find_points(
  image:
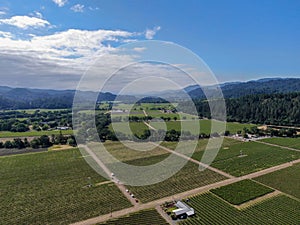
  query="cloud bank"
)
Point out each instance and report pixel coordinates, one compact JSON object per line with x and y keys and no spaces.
{"x":24,"y":22}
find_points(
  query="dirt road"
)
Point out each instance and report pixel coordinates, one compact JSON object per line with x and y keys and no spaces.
{"x":121,"y":186}
{"x":195,"y":161}
{"x":182,"y":195}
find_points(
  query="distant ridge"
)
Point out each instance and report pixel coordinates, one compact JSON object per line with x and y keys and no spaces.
{"x":261,"y":86}
{"x":24,"y":98}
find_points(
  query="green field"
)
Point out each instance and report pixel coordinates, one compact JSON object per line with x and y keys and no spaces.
{"x":285,"y":180}
{"x":51,"y":188}
{"x":189,"y":177}
{"x":286,"y":142}
{"x":202,"y":143}
{"x":256,"y":156}
{"x":241,"y":192}
{"x":145,"y":106}
{"x":212,"y":210}
{"x":6,"y":134}
{"x":91,"y":112}
{"x":123,"y":153}
{"x":205,"y":126}
{"x":159,"y":114}
{"x":188,"y":125}
{"x":187,"y":116}
{"x":144,"y":217}
{"x":136,"y":127}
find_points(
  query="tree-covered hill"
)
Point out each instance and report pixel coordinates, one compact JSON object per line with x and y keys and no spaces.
{"x":239,"y":89}
{"x":277,"y":109}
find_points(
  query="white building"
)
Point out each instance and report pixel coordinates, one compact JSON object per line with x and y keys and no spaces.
{"x":183,"y":209}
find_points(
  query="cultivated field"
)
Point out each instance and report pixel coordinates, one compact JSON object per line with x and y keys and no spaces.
{"x":205,"y":126}
{"x":134,"y":127}
{"x":212,"y":210}
{"x":188,"y":125}
{"x":286,"y":180}
{"x":189,"y":177}
{"x":255,"y":156}
{"x":286,"y":142}
{"x":201,"y":146}
{"x":123,"y":153}
{"x":51,"y":188}
{"x":241,"y":192}
{"x":145,"y":217}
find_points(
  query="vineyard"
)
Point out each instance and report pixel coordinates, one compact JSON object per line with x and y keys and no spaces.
{"x":286,"y":142}
{"x":54,"y":189}
{"x":212,"y":210}
{"x":145,"y":217}
{"x":255,"y":156}
{"x":286,"y":180}
{"x":201,"y":146}
{"x":124,"y":153}
{"x":242,"y":191}
{"x":189,"y":177}
{"x":135,"y":127}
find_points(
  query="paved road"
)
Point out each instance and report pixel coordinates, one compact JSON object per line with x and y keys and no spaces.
{"x":186,"y":194}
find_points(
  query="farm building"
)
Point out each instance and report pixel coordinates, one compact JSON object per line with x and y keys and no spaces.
{"x":62,"y":128}
{"x":183,"y":210}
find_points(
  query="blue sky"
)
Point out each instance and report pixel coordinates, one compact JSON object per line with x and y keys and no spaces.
{"x":238,"y":40}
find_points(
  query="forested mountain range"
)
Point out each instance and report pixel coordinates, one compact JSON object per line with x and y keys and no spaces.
{"x":239,"y":89}
{"x":276,"y":109}
{"x":24,"y":98}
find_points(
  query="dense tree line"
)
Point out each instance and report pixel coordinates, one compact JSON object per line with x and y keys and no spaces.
{"x":43,"y":141}
{"x":277,"y":109}
{"x":13,"y":125}
{"x":86,"y":132}
{"x":19,"y":121}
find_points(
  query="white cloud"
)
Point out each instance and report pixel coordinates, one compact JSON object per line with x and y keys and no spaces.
{"x":139,"y":49}
{"x":36,"y":14}
{"x":93,"y":8}
{"x":57,"y":60}
{"x":150,"y":33}
{"x":5,"y":34}
{"x":60,"y":3}
{"x":3,"y":11}
{"x":24,"y":22}
{"x":145,"y":77}
{"x":77,"y":8}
